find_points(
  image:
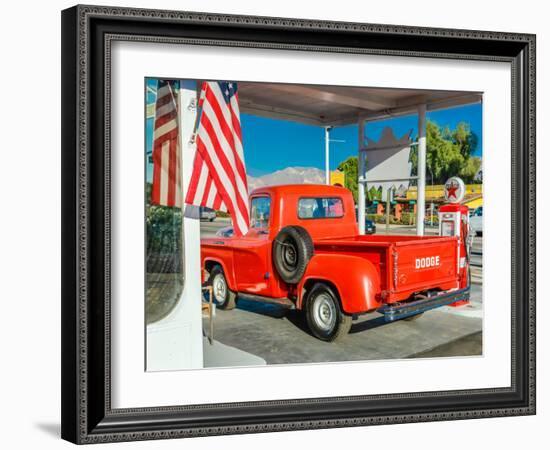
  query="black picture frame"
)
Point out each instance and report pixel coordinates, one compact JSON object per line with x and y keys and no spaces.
{"x":87,"y":32}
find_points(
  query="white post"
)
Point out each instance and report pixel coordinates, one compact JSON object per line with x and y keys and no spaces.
{"x":421,"y":170}
{"x":327,"y":153}
{"x":361,"y":173}
{"x":176,"y":342}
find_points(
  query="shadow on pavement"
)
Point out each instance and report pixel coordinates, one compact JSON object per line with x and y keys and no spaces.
{"x":365,"y":325}
{"x":278,"y":312}
{"x":264,"y":309}
{"x":297,"y":319}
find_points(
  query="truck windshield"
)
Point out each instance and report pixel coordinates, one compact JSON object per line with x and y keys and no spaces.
{"x":259,"y":212}
{"x":320,"y":208}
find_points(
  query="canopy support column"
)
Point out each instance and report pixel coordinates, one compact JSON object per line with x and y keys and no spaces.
{"x":361,"y":172}
{"x":327,"y":155}
{"x":421,"y":171}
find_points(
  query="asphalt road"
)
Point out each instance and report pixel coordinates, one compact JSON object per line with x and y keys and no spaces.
{"x":208,"y":229}
{"x":280,"y":336}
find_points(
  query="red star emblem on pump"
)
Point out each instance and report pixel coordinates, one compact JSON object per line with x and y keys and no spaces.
{"x":451,"y":190}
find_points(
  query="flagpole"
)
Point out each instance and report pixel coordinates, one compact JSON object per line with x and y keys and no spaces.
{"x":327,"y":154}
{"x":197,"y":116}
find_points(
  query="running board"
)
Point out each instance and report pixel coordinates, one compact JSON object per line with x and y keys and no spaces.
{"x":283,"y":302}
{"x":402,"y":310}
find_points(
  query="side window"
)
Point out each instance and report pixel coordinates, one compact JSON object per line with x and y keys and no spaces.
{"x":320,"y":208}
{"x":259,"y":212}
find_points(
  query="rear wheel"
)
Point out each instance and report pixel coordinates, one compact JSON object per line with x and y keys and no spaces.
{"x":324,"y":315}
{"x":223,"y":296}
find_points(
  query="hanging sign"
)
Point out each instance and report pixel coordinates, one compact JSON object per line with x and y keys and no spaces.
{"x":454,"y":190}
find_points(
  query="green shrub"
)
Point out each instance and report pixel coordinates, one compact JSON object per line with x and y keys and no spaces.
{"x":163,"y":239}
{"x":408,"y":218}
{"x":375,"y":217}
{"x":394,"y":220}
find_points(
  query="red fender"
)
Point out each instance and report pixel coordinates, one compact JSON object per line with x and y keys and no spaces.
{"x":229,"y":274}
{"x":356,"y":280}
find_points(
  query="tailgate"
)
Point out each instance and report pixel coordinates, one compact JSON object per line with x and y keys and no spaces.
{"x":424,"y":264}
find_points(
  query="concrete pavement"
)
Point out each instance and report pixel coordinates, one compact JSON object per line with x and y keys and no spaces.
{"x":281,"y":337}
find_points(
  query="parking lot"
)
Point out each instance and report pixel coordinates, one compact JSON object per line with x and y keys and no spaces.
{"x":280,"y":336}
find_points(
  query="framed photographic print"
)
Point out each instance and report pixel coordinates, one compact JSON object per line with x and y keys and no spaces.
{"x":283,"y":224}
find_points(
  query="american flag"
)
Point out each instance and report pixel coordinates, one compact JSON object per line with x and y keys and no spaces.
{"x":218,"y":180}
{"x":167,"y":186}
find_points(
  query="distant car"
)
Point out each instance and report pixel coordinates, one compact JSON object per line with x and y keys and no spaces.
{"x":225,"y":232}
{"x":476,"y":221}
{"x":207,"y":214}
{"x":370,"y":226}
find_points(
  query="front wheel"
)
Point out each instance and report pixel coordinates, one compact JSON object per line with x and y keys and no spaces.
{"x":223,"y":296}
{"x":323,"y":314}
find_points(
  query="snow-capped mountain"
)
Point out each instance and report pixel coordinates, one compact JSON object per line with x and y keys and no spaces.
{"x":289,"y":175}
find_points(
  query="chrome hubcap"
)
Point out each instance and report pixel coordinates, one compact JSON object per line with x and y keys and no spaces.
{"x":219,"y":288}
{"x":324,"y":312}
{"x":290,"y":255}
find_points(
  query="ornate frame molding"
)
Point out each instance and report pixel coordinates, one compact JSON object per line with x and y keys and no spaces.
{"x":88,"y":31}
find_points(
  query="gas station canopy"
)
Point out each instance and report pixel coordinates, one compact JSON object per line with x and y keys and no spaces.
{"x":328,"y":106}
{"x":342,"y":105}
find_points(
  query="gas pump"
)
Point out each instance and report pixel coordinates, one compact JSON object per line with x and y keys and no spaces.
{"x":454,"y":221}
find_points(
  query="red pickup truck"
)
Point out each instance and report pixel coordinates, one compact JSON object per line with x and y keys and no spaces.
{"x":303,"y":250}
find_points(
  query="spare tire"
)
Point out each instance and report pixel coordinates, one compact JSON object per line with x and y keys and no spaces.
{"x":292,"y":250}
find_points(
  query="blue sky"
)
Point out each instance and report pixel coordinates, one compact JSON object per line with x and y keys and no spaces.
{"x":275,"y":144}
{"x":271,"y":144}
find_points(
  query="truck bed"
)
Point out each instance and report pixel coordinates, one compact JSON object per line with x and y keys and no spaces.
{"x":406,"y":264}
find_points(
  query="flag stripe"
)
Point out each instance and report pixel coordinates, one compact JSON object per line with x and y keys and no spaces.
{"x":165,"y":128}
{"x":225,"y":156}
{"x":172,"y":176}
{"x":218,"y":203}
{"x":221,"y":178}
{"x":219,"y":175}
{"x":167,"y":173}
{"x":165,"y":118}
{"x":165,"y":160}
{"x":178,"y":200}
{"x":215,"y":175}
{"x":195,"y":178}
{"x":165,"y":110}
{"x":212,"y":194}
{"x":227,"y":130}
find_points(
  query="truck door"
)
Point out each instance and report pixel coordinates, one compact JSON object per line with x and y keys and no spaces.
{"x":252,"y":250}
